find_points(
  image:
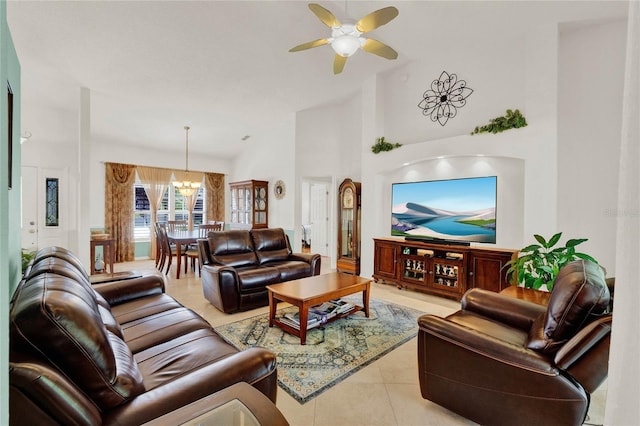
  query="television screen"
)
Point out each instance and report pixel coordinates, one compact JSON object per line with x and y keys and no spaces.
{"x":452,"y":209}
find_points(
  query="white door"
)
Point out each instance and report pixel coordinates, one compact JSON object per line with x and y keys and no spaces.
{"x":44,"y":207}
{"x":319,"y":218}
{"x":29,"y":207}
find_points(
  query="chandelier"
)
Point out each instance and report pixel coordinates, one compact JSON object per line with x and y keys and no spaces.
{"x":186,"y":187}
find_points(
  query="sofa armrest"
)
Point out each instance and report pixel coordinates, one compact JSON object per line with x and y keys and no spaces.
{"x":312,"y":259}
{"x":586,"y":355}
{"x":40,"y":395}
{"x":499,"y":351}
{"x":116,"y":292}
{"x":256,"y":366}
{"x":505,"y":309}
{"x":220,"y":285}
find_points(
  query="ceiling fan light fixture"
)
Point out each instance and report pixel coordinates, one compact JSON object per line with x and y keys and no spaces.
{"x":346,"y":45}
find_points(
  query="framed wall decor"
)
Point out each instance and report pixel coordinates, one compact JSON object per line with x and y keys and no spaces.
{"x":279,"y":190}
{"x":10,"y":136}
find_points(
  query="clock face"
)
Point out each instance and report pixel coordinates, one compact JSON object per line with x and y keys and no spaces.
{"x":347,"y":199}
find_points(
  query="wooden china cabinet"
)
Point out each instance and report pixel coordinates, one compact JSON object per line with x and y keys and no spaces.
{"x":348,"y":255}
{"x":249,"y":204}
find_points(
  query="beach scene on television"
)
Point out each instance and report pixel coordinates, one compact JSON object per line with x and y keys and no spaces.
{"x":454,"y":209}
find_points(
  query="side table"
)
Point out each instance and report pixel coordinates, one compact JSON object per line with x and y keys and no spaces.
{"x":107,"y":250}
{"x":239,"y":404}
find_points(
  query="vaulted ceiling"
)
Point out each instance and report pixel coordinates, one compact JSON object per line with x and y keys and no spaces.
{"x":223,"y":67}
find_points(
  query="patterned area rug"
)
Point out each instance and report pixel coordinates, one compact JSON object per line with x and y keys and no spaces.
{"x":333,"y":352}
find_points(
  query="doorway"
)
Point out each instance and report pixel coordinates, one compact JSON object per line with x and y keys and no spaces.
{"x":315,"y":218}
{"x":44,"y":207}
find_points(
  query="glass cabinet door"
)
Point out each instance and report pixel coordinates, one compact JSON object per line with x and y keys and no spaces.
{"x":346,"y":250}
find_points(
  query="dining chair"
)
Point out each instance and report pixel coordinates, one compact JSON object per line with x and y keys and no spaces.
{"x":192,"y":253}
{"x":217,"y":222}
{"x":159,"y":250}
{"x":166,"y":248}
{"x":177,"y":225}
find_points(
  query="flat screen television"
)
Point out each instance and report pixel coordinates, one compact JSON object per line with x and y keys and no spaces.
{"x":459,"y":210}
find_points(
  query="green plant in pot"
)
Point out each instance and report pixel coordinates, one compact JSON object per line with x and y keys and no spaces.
{"x":27,"y":257}
{"x":538,"y":264}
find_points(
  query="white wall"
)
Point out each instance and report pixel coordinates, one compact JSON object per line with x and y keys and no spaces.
{"x":591,"y":76}
{"x":493,"y":73}
{"x":327,"y":147}
{"x":271,"y":157}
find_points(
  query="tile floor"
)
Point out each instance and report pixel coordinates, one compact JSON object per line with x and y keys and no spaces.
{"x":390,"y":383}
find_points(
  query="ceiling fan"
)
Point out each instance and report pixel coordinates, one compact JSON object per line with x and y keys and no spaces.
{"x":347,"y":38}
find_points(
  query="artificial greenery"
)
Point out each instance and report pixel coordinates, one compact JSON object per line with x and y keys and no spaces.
{"x":513,"y":120}
{"x":538,"y":264}
{"x":382,"y":145}
{"x":27,"y":257}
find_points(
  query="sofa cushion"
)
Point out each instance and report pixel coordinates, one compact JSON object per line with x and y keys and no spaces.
{"x":255,"y":279}
{"x":58,"y":320}
{"x":158,"y":328}
{"x":579,"y":295}
{"x":63,"y":254}
{"x":292,"y":269}
{"x":178,"y":357}
{"x":110,"y":322}
{"x":271,"y":244}
{"x":232,"y":248}
{"x":143,"y":307}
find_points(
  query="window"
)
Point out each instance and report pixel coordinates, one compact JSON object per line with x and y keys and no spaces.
{"x":141,"y":214}
{"x":181,"y":211}
{"x":172,"y":207}
{"x":51,"y":203}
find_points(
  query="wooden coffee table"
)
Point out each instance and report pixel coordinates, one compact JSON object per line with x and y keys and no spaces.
{"x":307,"y":292}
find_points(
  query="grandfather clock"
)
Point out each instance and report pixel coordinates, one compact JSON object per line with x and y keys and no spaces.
{"x":348,"y":259}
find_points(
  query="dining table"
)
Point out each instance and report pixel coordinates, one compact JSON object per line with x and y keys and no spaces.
{"x":182,"y":238}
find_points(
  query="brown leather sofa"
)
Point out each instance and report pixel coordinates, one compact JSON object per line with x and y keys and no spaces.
{"x":237,"y":266}
{"x":505,"y":361}
{"x":121,"y":352}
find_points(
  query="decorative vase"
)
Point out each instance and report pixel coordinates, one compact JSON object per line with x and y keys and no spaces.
{"x":99,"y":265}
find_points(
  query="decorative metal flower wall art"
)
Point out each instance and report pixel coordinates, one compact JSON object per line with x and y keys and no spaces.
{"x":446,"y":95}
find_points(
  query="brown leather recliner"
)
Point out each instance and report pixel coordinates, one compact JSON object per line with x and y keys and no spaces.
{"x":505,"y":361}
{"x":238,"y":265}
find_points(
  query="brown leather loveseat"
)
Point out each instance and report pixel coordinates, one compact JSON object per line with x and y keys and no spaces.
{"x":505,"y":361}
{"x":237,"y":266}
{"x":122,"y":352}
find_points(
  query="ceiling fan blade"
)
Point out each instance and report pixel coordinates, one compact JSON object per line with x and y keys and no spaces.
{"x":380,"y":49}
{"x":324,"y":15}
{"x":309,"y":45}
{"x":338,"y":64}
{"x":376,"y":19}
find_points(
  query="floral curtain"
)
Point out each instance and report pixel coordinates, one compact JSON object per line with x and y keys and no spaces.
{"x":214,"y":187}
{"x":155,"y":182}
{"x":118,"y":204}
